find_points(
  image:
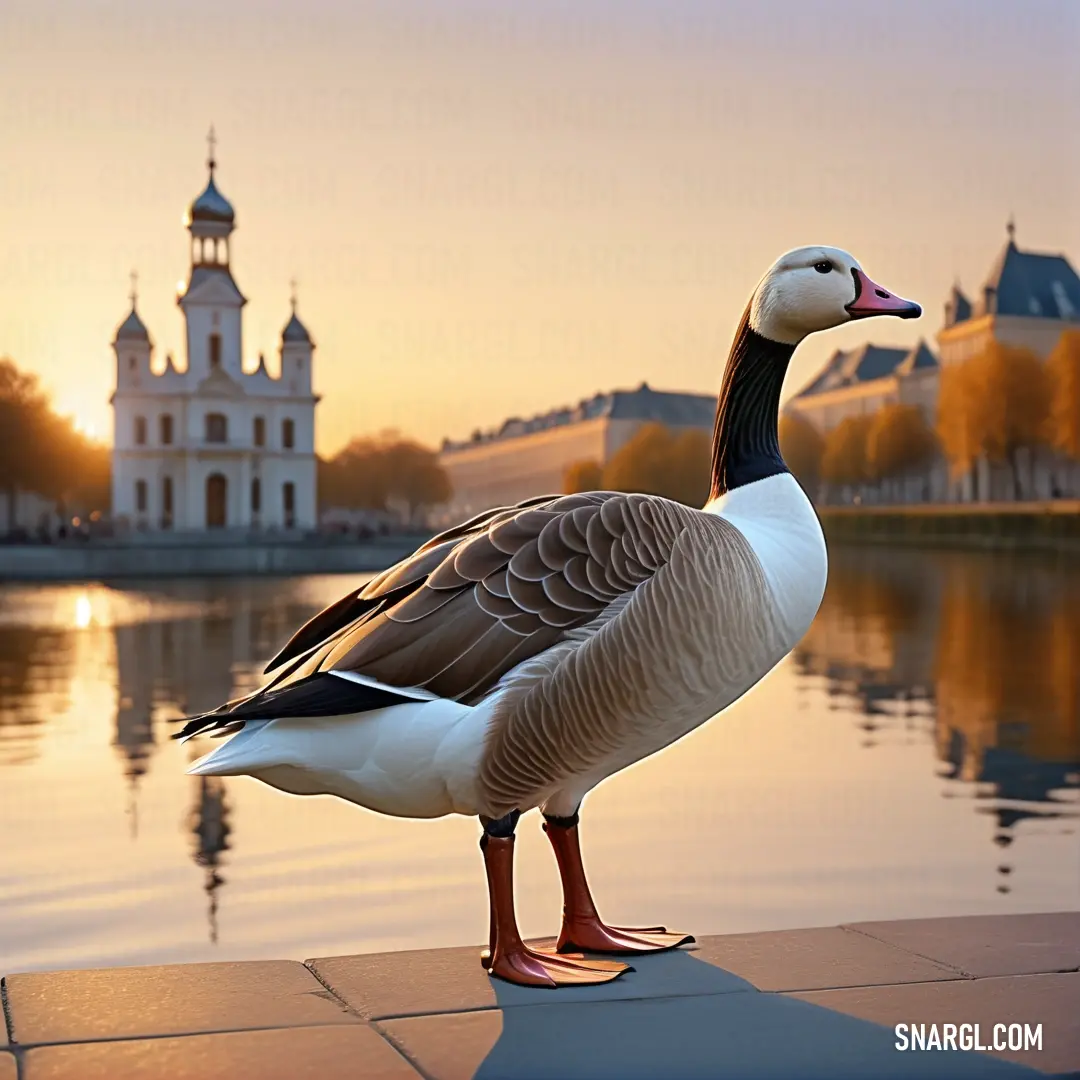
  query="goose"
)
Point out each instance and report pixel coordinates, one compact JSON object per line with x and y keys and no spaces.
{"x":519,"y":659}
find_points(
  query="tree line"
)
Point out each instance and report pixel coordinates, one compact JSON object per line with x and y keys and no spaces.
{"x":992,"y":406}
{"x":42,"y":452}
{"x":655,"y":461}
{"x":384,"y":472}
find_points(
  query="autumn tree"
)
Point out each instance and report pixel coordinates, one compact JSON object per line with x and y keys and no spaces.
{"x":372,"y":471}
{"x":1000,"y":405}
{"x":1063,"y":374}
{"x":691,"y":467}
{"x":415,"y":476}
{"x":844,"y":459}
{"x":41,"y":451}
{"x":802,"y":446}
{"x":24,"y":422}
{"x":658,"y":461}
{"x":355,"y":477}
{"x":898,"y":440}
{"x":584,"y":475}
{"x":956,"y":428}
{"x":91,"y":484}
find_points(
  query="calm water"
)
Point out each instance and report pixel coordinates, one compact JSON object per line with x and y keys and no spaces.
{"x":917,"y":756}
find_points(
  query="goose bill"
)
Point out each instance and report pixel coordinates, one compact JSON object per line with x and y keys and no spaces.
{"x":872,"y":299}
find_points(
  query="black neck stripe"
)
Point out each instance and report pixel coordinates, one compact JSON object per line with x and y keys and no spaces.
{"x":746,"y":444}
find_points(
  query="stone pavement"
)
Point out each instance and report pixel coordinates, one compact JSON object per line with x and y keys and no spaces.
{"x":800,"y":1003}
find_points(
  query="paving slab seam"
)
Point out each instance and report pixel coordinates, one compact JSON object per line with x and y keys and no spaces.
{"x":172,"y":1035}
{"x":17,"y":1055}
{"x":378,"y":1018}
{"x":332,"y":992}
{"x":938,"y":982}
{"x":558,"y":1003}
{"x":910,"y":952}
{"x":870,"y":986}
{"x":17,"y":1058}
{"x":399,"y":1049}
{"x":6,"y":1011}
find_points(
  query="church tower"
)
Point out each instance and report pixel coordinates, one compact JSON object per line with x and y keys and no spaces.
{"x":297,"y":349}
{"x":212,"y":303}
{"x":132,"y":346}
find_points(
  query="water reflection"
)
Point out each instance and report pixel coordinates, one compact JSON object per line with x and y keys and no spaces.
{"x":35,"y":670}
{"x":942,"y":687}
{"x":979,"y":652}
{"x":208,"y":821}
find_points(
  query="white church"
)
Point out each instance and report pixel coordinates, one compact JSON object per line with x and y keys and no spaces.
{"x":212,"y":446}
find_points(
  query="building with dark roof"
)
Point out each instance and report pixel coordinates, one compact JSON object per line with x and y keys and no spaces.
{"x":857,"y":382}
{"x":526,"y":457}
{"x":1027,"y":299}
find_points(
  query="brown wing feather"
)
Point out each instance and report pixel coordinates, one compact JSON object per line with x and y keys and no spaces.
{"x":479,"y":599}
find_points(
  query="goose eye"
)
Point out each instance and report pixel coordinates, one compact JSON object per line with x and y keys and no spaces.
{"x":823,"y":267}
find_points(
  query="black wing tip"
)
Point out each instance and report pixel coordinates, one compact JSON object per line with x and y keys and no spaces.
{"x":192,"y":727}
{"x":319,"y":694}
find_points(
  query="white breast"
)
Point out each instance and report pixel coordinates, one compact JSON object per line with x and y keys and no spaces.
{"x":777,"y":519}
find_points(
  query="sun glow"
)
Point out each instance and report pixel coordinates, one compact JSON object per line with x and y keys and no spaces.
{"x":84,"y":611}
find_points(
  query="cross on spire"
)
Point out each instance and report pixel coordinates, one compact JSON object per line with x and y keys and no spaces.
{"x":1010,"y":228}
{"x":211,"y":144}
{"x":292,"y":294}
{"x":133,"y":296}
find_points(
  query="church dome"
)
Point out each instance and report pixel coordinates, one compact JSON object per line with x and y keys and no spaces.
{"x":132,"y":328}
{"x":211,"y":205}
{"x":295,"y":330}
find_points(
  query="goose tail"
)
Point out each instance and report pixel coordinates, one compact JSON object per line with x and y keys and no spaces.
{"x":236,"y":756}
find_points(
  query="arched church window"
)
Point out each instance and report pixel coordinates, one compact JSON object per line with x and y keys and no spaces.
{"x":256,"y":496}
{"x":288,"y":434}
{"x":259,"y":431}
{"x":217,"y":428}
{"x":140,"y":496}
{"x":217,"y":501}
{"x":140,"y":430}
{"x":131,"y":363}
{"x":166,"y":429}
{"x":166,"y":502}
{"x":288,"y":494}
{"x":215,"y":350}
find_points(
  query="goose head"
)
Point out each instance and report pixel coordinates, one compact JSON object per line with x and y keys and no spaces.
{"x":807,"y":290}
{"x":816,"y":288}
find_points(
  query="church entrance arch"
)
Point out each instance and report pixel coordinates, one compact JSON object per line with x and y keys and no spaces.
{"x":217,"y":488}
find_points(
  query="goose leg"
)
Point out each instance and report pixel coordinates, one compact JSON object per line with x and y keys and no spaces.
{"x":510,"y":958}
{"x":582,"y":928}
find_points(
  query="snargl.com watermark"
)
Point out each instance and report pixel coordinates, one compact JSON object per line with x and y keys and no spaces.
{"x":968,"y":1037}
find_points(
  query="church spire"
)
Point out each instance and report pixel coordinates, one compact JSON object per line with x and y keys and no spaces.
{"x":133,"y":328}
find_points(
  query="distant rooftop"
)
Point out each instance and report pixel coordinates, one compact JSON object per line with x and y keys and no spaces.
{"x":663,"y":406}
{"x":866,"y":363}
{"x":1023,"y":283}
{"x":132,"y":328}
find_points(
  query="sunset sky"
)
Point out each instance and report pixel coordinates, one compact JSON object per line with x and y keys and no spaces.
{"x":496,"y":207}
